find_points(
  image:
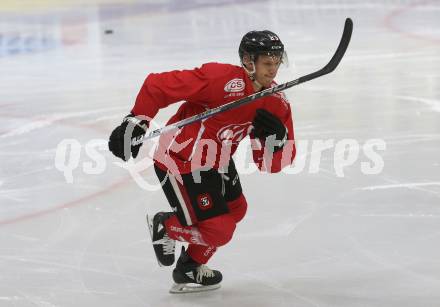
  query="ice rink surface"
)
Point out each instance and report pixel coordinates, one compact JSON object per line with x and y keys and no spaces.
{"x":315,"y":235}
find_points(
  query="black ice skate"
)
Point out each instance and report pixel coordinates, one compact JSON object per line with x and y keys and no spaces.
{"x":190,"y":276}
{"x":163,"y":245}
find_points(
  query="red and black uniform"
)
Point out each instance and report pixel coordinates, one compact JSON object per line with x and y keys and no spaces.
{"x":208,"y":204}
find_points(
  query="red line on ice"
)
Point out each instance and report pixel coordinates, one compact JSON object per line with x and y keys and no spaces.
{"x":69,"y":204}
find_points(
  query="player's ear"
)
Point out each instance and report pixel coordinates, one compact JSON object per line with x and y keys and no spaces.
{"x":248,"y":62}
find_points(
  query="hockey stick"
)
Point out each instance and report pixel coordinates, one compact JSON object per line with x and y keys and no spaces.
{"x":343,"y":44}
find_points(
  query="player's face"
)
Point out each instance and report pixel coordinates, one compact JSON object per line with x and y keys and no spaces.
{"x":266,"y":68}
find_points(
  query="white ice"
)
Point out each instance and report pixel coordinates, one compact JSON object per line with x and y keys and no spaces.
{"x":317,"y":236}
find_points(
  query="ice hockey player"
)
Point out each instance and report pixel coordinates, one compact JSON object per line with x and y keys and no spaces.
{"x":195,"y":164}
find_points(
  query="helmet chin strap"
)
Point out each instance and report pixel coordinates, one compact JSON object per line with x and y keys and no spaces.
{"x":258,"y":85}
{"x":251,"y":75}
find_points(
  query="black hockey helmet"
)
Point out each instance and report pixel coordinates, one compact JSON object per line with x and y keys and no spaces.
{"x":255,"y":43}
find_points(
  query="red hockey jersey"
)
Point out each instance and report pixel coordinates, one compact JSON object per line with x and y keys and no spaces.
{"x":213,"y":141}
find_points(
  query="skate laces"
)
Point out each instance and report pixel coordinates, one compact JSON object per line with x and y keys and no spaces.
{"x":204,"y":271}
{"x":167,"y":243}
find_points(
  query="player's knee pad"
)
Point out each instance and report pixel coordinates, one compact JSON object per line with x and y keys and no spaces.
{"x":217,"y":231}
{"x":227,"y":230}
{"x":238,"y":208}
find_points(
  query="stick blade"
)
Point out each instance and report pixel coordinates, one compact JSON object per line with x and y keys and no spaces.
{"x":336,"y":58}
{"x":342,"y":47}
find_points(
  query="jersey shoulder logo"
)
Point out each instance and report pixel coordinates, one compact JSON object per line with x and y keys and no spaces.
{"x":235,"y":85}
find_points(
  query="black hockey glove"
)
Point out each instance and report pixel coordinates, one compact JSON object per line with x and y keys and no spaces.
{"x":269,"y":128}
{"x":126,"y":140}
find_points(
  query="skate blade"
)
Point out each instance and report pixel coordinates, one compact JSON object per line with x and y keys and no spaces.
{"x":192,"y":288}
{"x":150,"y":228}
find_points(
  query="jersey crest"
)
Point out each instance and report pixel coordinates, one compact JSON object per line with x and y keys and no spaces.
{"x":234,"y":133}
